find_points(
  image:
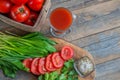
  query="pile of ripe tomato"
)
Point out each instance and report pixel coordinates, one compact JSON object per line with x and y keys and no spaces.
{"x":24,"y":11}
{"x":50,"y":63}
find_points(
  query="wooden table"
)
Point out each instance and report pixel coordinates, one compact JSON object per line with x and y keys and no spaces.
{"x":97,"y":30}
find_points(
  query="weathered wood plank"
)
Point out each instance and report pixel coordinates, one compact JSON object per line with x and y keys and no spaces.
{"x":11,"y":30}
{"x":76,"y":4}
{"x":103,"y":46}
{"x":92,"y":20}
{"x":3,"y":25}
{"x":109,"y":70}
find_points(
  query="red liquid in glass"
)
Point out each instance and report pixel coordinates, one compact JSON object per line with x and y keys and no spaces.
{"x":61,"y":19}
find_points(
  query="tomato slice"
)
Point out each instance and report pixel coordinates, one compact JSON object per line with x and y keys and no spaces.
{"x":66,"y":53}
{"x":41,"y":66}
{"x":49,"y":65}
{"x":34,"y":66}
{"x":57,"y":60}
{"x":27,"y":62}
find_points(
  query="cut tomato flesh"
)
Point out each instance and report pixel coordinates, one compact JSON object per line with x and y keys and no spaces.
{"x":67,"y":53}
{"x":27,"y":62}
{"x":57,"y":60}
{"x":34,"y":66}
{"x":41,"y":66}
{"x":49,"y":65}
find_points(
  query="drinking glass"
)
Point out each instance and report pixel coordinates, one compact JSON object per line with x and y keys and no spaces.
{"x":61,"y":20}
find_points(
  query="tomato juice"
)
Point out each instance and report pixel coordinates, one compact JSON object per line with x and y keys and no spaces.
{"x":61,"y":19}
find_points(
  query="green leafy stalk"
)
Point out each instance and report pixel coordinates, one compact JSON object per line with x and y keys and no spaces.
{"x":38,"y":36}
{"x":15,"y":49}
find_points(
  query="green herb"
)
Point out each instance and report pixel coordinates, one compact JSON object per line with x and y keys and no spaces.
{"x":38,"y":36}
{"x":67,"y":73}
{"x":15,"y":49}
{"x":49,"y":76}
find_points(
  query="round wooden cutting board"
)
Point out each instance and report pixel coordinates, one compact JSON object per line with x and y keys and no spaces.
{"x":78,"y":53}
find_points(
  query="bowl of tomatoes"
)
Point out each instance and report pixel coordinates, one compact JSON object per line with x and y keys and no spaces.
{"x":26,"y":15}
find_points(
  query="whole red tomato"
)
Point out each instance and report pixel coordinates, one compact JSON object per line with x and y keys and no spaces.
{"x":32,"y":18}
{"x":5,"y":6}
{"x":19,"y":2}
{"x":19,"y":13}
{"x":35,"y":5}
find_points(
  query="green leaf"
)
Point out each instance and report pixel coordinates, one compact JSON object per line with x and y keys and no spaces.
{"x":68,"y":64}
{"x":9,"y":72}
{"x":40,"y":77}
{"x":19,"y":65}
{"x":46,"y":76}
{"x":72,"y":72}
{"x":38,"y":36}
{"x":53,"y":75}
{"x":62,"y":77}
{"x":70,"y":78}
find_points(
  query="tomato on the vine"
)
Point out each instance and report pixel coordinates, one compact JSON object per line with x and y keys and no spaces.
{"x":19,"y":2}
{"x":5,"y":6}
{"x":57,"y":60}
{"x":35,"y":5}
{"x":66,"y":53}
{"x":19,"y":13}
{"x":32,"y":18}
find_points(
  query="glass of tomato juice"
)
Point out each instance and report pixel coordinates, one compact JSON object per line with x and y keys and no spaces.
{"x":60,"y":21}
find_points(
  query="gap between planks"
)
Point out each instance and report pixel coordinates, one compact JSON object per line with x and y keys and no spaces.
{"x":109,"y":70}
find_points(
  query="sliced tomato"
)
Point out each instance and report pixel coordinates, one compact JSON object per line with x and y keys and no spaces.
{"x":57,"y":60}
{"x":49,"y":65}
{"x":27,"y":62}
{"x":34,"y":66}
{"x":41,"y":66}
{"x":66,"y":53}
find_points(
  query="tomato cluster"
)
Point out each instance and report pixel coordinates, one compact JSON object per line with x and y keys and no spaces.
{"x":50,"y":63}
{"x":24,"y":11}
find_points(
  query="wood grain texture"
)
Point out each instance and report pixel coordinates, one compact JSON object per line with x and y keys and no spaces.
{"x":78,"y":53}
{"x":103,"y":46}
{"x":108,"y":70}
{"x":10,"y":29}
{"x":76,"y":4}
